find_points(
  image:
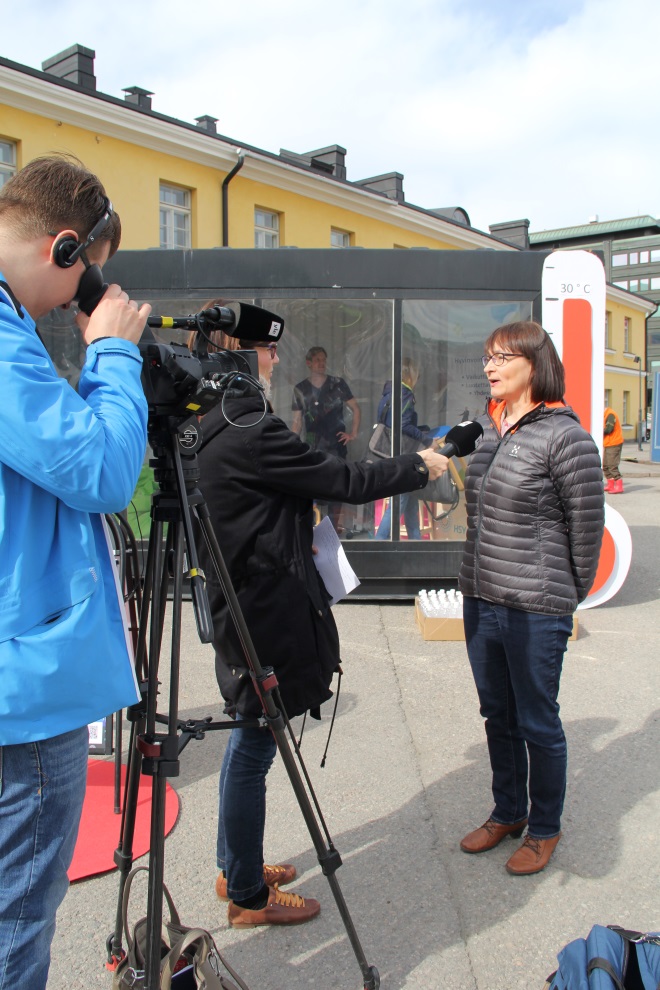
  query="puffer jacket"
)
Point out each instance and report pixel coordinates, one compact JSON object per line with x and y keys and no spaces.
{"x":535,"y":512}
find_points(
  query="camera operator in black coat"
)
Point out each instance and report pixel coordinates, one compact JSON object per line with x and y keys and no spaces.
{"x":259,"y":481}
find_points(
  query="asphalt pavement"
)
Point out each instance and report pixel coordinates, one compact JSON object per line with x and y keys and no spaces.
{"x":406,"y":777}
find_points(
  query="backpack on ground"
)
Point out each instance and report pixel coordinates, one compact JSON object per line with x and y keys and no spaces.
{"x":610,"y":958}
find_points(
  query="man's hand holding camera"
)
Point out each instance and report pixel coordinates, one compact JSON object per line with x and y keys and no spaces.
{"x":115,"y":316}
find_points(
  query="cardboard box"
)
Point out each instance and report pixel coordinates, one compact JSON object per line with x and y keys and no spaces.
{"x":433,"y":628}
{"x":439,"y":629}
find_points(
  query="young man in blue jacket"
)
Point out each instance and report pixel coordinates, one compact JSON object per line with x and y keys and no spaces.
{"x":66,"y":457}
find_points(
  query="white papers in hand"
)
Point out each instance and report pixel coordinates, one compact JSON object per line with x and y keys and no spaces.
{"x":336,"y":573}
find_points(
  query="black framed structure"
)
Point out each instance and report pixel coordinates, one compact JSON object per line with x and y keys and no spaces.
{"x":371,"y":311}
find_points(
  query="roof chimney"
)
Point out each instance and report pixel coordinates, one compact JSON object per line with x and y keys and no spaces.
{"x":514,"y":231}
{"x":139,"y":97}
{"x":390,"y":184}
{"x":330,"y":160}
{"x":75,"y":64}
{"x":207,"y":124}
{"x":594,"y":218}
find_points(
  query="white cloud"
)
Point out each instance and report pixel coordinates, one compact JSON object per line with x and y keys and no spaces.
{"x":540,"y":110}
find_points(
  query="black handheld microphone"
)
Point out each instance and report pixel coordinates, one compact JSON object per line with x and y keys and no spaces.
{"x":461,"y":439}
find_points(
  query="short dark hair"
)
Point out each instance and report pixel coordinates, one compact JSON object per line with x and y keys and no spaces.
{"x":548,"y":382}
{"x":313,"y":351}
{"x":56,"y":193}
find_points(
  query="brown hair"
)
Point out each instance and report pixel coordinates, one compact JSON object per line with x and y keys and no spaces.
{"x":409,"y":371}
{"x":218,"y":340}
{"x":547,"y":383}
{"x":55,"y":193}
{"x":313,"y":351}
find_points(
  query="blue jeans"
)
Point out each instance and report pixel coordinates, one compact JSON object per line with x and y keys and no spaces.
{"x":516,"y":659}
{"x":409,"y":509}
{"x":42,"y":787}
{"x":242,"y":812}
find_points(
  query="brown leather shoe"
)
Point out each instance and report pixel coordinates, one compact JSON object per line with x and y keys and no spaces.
{"x":278,"y":875}
{"x":490,"y":834}
{"x":533,"y":856}
{"x":282,"y":909}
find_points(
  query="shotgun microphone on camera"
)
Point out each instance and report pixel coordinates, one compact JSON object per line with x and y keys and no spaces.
{"x":237,"y":319}
{"x":462,"y":439}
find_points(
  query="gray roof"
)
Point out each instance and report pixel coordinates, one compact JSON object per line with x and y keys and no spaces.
{"x":593,"y":229}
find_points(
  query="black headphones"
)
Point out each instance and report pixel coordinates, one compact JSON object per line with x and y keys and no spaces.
{"x":68,"y":249}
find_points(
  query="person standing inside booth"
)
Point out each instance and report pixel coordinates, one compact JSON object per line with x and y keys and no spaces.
{"x":318,"y":413}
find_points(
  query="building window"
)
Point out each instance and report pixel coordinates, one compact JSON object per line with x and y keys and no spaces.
{"x":608,"y":398}
{"x":633,"y":285}
{"x":655,"y":254}
{"x":339,"y":238}
{"x":626,"y":334}
{"x":655,"y":284}
{"x":7,"y":161}
{"x":634,"y":258}
{"x":608,"y":330}
{"x":174,"y":217}
{"x":643,"y":257}
{"x":626,"y":408}
{"x":623,"y":284}
{"x":266,"y":229}
{"x":619,"y":259}
{"x":643,"y":285}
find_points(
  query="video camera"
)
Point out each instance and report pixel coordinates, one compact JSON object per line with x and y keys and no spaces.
{"x":180,"y":382}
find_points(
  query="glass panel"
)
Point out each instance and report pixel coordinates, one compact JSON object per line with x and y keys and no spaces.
{"x":643,"y":285}
{"x":655,"y":284}
{"x":319,"y":399}
{"x":443,"y":341}
{"x":264,"y":219}
{"x":619,"y":259}
{"x":643,"y":257}
{"x":634,"y":258}
{"x":633,"y":285}
{"x":174,"y":197}
{"x":8,"y":152}
{"x":340,"y":239}
{"x":622,"y":285}
{"x":655,"y":255}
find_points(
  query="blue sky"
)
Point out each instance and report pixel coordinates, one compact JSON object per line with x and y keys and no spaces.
{"x":510,"y":109}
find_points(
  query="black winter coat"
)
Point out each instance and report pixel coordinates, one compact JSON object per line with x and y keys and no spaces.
{"x":535,"y":509}
{"x":259,"y":484}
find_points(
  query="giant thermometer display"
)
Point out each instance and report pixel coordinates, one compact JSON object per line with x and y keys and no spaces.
{"x":573,"y":291}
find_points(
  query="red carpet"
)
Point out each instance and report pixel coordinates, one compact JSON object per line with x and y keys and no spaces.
{"x":98,"y":836}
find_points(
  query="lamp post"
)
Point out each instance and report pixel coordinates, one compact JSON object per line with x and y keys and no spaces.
{"x":640,"y":425}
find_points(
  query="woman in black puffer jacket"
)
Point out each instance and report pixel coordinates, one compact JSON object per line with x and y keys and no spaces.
{"x":535,"y":507}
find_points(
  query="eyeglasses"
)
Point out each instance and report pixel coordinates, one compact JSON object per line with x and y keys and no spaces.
{"x":251,"y":345}
{"x":498,"y":358}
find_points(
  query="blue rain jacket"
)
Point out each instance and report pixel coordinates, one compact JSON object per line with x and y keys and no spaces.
{"x":66,"y":456}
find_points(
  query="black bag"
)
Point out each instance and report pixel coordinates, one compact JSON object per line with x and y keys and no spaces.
{"x":191,"y":960}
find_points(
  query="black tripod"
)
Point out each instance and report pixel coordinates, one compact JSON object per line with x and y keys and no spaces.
{"x":175,"y":444}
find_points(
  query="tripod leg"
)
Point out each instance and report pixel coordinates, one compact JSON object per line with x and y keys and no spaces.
{"x":328,"y":857}
{"x":162,"y":761}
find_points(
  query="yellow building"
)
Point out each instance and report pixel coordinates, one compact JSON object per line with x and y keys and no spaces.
{"x":625,"y":358}
{"x":182,"y":185}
